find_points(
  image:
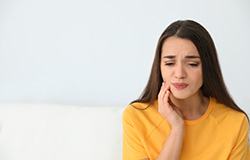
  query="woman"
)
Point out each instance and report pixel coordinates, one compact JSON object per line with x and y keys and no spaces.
{"x":185,"y":112}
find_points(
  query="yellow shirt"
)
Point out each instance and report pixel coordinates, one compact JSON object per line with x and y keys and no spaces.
{"x":221,"y":133}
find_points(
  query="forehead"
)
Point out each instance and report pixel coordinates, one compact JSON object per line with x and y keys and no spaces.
{"x":178,"y":46}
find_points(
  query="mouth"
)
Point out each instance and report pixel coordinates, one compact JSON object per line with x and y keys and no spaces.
{"x":180,"y":86}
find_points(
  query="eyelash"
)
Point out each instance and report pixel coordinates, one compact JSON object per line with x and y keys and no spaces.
{"x":169,"y":64}
{"x":194,"y":64}
{"x":191,"y":64}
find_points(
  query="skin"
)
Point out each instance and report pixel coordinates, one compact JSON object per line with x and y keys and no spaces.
{"x":180,"y":63}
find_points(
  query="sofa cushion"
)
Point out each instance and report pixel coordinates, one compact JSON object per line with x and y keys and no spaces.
{"x":59,"y":132}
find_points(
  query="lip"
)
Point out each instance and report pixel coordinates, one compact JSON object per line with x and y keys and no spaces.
{"x":180,"y":86}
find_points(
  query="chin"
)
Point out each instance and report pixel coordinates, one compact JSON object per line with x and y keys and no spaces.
{"x":180,"y":94}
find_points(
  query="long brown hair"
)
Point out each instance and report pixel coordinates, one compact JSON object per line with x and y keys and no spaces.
{"x":213,"y":83}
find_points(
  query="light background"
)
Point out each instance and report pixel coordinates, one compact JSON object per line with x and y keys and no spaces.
{"x":99,"y":53}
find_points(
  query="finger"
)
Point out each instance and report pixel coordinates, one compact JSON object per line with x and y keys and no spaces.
{"x":160,"y":96}
{"x":167,"y":105}
{"x":166,"y":101}
{"x":166,"y":94}
{"x":161,"y":93}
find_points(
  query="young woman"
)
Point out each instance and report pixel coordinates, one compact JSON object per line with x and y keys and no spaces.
{"x":185,"y":112}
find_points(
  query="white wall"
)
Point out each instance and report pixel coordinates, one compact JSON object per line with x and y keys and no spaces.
{"x":100,"y":52}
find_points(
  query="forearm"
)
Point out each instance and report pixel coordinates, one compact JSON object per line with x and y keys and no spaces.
{"x":173,"y":145}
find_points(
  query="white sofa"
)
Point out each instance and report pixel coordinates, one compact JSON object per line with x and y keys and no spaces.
{"x":59,"y":132}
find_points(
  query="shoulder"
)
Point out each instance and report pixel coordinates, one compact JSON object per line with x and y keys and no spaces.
{"x":135,"y":109}
{"x":141,"y":118}
{"x":227,"y":116}
{"x":225,"y":111}
{"x":140,"y":112}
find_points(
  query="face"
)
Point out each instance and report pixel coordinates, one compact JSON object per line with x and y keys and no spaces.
{"x":181,"y":67}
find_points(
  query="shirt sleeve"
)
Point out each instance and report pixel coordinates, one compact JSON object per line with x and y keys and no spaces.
{"x":132,"y":145}
{"x":241,"y":149}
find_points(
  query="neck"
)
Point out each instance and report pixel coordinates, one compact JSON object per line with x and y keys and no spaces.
{"x":192,"y":107}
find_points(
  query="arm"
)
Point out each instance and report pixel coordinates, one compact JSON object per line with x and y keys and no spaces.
{"x":132,"y":148}
{"x":241,"y":149}
{"x":173,"y":145}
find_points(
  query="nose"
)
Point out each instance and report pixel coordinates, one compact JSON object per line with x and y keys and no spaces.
{"x":179,"y":71}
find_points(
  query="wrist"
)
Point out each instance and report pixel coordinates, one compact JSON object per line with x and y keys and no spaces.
{"x":179,"y":128}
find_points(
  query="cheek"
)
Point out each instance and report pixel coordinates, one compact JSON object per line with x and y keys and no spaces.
{"x":198,"y":79}
{"x":165,"y":76}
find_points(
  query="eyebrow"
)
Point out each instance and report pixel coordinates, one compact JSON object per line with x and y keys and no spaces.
{"x":187,"y":57}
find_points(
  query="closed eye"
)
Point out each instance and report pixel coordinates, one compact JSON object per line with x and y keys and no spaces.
{"x":169,"y":63}
{"x":194,"y":64}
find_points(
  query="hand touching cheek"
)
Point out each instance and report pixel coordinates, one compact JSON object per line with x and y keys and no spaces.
{"x":170,"y":112}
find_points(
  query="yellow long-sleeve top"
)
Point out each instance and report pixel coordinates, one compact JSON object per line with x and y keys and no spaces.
{"x":221,"y":133}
